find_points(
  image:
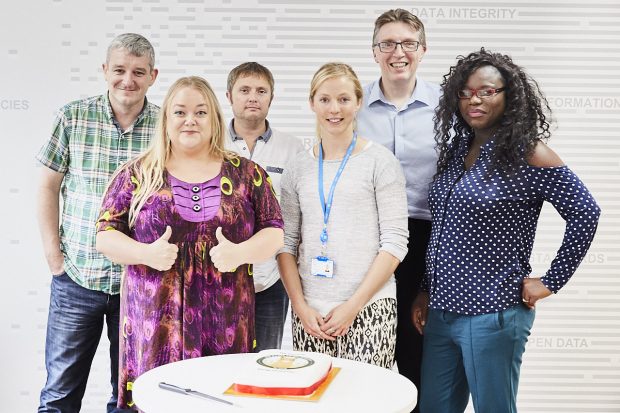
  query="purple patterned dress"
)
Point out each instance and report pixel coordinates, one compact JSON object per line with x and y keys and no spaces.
{"x":191,"y":310}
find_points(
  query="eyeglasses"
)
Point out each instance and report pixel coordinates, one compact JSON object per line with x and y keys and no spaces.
{"x":406,"y":46}
{"x":481,"y":93}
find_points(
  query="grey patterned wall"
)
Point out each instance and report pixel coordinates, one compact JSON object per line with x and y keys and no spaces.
{"x":51,"y":52}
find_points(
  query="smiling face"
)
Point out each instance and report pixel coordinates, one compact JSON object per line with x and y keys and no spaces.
{"x":398,"y":66}
{"x":483,"y":115}
{"x":335,"y":105}
{"x":188,"y":125}
{"x":129,"y":78}
{"x":250,"y":98}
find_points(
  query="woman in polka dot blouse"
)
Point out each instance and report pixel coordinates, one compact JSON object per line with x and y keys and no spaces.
{"x":494,"y":173}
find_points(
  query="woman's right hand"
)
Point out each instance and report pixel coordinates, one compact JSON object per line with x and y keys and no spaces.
{"x":419,"y":311}
{"x":161,"y":255}
{"x":312,"y":321}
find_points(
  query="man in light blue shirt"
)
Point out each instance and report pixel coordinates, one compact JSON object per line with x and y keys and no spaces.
{"x":397,"y":112}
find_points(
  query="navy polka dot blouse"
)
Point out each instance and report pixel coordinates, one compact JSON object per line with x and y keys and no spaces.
{"x":484,"y":223}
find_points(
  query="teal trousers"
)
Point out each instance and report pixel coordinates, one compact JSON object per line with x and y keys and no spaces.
{"x":479,"y":355}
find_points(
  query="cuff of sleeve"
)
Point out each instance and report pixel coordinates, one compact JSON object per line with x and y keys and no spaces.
{"x":552,"y":284}
{"x":398,"y":252}
{"x":288,"y":250}
{"x":51,"y":165}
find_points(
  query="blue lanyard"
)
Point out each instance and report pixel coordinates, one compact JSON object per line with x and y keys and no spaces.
{"x":327,"y":206}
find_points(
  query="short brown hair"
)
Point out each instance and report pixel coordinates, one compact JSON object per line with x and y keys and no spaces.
{"x":249,"y":69}
{"x":403,"y":16}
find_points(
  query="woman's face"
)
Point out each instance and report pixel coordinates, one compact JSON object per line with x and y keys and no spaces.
{"x":335,"y":105}
{"x":188,"y":125}
{"x":483,"y":114}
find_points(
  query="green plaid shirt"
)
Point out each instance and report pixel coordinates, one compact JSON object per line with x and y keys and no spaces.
{"x":87,"y":145}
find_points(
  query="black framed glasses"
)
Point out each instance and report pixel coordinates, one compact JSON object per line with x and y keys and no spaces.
{"x":406,"y":46}
{"x":487,"y":92}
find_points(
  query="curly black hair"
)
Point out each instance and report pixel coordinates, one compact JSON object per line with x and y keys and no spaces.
{"x":522,"y":125}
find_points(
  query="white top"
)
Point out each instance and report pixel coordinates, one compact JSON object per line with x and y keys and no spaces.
{"x":368,"y":215}
{"x":358,"y":387}
{"x":273,"y":155}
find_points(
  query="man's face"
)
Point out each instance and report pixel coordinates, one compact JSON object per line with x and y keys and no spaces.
{"x":398,"y":65}
{"x":250,"y":98}
{"x":129,"y":78}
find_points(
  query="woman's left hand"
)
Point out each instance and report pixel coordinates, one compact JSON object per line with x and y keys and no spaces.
{"x":533,"y":290}
{"x":339,"y":319}
{"x":225,"y":254}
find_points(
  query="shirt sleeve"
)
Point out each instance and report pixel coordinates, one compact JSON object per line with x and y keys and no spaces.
{"x":575,"y":204}
{"x":266,"y":207}
{"x":55,"y":152}
{"x":115,"y":205}
{"x":291,"y":212}
{"x":391,"y":198}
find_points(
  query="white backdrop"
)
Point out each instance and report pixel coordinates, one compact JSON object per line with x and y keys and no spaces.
{"x":51,"y":52}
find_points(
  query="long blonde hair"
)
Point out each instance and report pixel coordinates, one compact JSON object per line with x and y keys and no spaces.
{"x":148,"y":168}
{"x":330,"y":71}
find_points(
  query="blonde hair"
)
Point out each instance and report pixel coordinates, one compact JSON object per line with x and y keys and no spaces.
{"x":332,"y":70}
{"x":149,"y":167}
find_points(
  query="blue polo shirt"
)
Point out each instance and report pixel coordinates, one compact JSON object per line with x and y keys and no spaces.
{"x":484,"y":223}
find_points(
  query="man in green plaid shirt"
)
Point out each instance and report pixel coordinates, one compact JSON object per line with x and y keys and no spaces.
{"x":90,"y":139}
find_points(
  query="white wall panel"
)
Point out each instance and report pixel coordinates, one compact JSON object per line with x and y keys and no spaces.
{"x":51,"y":52}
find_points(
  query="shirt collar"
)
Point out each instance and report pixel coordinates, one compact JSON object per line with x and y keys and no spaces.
{"x":110,"y":113}
{"x":466,"y":141}
{"x":421,"y":93}
{"x":264,"y":137}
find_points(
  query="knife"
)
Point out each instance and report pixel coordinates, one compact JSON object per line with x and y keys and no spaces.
{"x":190,"y":392}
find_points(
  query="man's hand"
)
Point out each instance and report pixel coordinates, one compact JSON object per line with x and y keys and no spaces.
{"x":56,"y":263}
{"x":419,"y":311}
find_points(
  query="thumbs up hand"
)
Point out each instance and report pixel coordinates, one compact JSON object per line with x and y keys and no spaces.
{"x":161,"y":255}
{"x":225,"y":255}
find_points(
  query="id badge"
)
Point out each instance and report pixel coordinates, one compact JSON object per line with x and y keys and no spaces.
{"x":322,"y":267}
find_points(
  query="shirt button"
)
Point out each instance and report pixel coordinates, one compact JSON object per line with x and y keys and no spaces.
{"x":195,"y":189}
{"x":196,"y":208}
{"x":195,"y":198}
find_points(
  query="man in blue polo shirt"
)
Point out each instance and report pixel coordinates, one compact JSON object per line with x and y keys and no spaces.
{"x":397,"y":112}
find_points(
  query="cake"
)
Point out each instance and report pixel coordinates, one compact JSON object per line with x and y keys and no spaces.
{"x":278,"y":372}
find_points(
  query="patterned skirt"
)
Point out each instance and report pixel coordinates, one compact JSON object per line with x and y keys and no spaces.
{"x":370,"y":339}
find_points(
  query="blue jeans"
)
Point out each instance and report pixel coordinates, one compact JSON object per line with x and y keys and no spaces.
{"x":480,"y":354}
{"x":271,"y":308}
{"x":74,"y":326}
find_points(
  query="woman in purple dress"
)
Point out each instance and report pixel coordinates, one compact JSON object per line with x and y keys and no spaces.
{"x":188,"y":219}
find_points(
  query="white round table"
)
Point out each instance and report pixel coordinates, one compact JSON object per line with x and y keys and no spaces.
{"x":358,"y":387}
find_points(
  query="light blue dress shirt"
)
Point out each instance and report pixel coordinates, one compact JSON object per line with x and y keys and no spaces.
{"x":408,"y":133}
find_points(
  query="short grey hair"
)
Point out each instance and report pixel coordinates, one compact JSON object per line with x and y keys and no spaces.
{"x":135,"y":44}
